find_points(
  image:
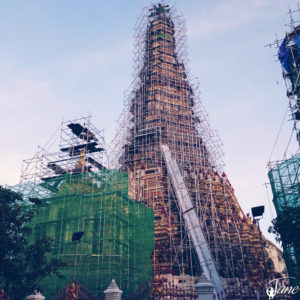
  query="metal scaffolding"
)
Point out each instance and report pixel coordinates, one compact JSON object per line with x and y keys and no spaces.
{"x":79,"y":194}
{"x":81,"y":148}
{"x":285,"y":183}
{"x":289,"y":57}
{"x":163,"y":106}
{"x":284,"y":175}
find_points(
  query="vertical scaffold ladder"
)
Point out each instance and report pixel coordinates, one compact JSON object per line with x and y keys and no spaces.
{"x":192,"y":224}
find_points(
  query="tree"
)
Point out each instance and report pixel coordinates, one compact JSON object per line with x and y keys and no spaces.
{"x":22,"y":266}
{"x":286,"y":227}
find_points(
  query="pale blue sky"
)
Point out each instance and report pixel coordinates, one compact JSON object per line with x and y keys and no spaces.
{"x":64,"y":59}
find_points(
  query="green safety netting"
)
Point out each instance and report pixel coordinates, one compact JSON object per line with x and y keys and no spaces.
{"x":285,"y":183}
{"x":118,"y":235}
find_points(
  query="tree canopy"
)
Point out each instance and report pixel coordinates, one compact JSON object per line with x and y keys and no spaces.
{"x":22,"y":265}
{"x":286,"y":227}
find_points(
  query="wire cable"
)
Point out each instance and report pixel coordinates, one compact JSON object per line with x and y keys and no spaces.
{"x":279,"y":131}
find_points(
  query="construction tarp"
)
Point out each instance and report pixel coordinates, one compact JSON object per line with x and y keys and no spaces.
{"x":284,"y":55}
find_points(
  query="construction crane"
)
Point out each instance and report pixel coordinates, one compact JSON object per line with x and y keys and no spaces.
{"x":192,"y":224}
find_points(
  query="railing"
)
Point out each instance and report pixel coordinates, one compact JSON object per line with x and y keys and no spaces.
{"x":162,"y":289}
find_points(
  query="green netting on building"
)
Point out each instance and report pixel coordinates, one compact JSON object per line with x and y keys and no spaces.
{"x":285,"y":184}
{"x":118,"y":235}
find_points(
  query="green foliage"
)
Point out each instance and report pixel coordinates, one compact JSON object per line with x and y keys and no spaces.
{"x":22,"y":266}
{"x":286,"y":227}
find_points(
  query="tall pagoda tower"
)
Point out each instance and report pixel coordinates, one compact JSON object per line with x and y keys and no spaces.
{"x":164,"y":108}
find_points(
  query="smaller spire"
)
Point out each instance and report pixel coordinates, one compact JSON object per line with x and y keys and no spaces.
{"x":113,"y":292}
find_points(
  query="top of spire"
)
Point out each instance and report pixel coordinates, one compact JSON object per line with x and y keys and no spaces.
{"x":158,"y":9}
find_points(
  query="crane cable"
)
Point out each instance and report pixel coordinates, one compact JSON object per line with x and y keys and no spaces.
{"x":279,"y":131}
